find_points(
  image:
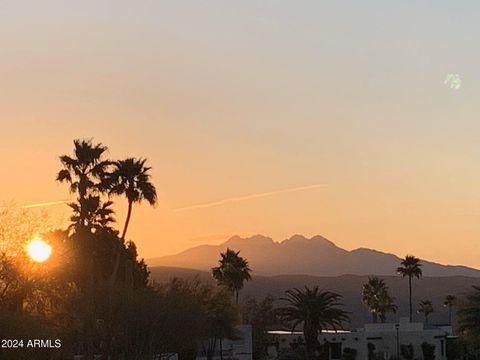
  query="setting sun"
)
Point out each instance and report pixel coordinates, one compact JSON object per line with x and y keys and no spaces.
{"x":39,"y":250}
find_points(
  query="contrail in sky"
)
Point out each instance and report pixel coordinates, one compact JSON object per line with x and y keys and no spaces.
{"x":43,"y":204}
{"x":248,"y":197}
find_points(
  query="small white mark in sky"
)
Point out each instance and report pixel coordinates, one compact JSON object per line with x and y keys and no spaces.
{"x":453,"y":81}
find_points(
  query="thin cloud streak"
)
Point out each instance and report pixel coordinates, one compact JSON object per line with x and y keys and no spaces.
{"x":248,"y":197}
{"x":44,"y":204}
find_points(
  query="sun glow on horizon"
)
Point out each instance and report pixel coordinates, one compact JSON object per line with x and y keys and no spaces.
{"x":39,"y":250}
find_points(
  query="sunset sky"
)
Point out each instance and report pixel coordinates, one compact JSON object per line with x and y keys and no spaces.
{"x":276,"y":117}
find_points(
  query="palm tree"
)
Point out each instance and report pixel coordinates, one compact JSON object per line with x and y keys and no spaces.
{"x":370,"y":294}
{"x":411,"y":267}
{"x":385,"y":304}
{"x":377,"y":299}
{"x":426,"y":308}
{"x":233,"y":271}
{"x":94,"y":213}
{"x":84,"y":171}
{"x":316,"y":310}
{"x":469,"y":315}
{"x":130,"y":177}
{"x":85,"y":168}
{"x":450,"y":301}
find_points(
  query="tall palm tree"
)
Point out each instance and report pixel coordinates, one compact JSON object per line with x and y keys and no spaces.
{"x":316,"y":310}
{"x":410,"y":267}
{"x":129,"y":177}
{"x":450,"y":301}
{"x":425,"y":308}
{"x":87,"y":166}
{"x":233,"y":271}
{"x":469,"y":315}
{"x":85,"y":172}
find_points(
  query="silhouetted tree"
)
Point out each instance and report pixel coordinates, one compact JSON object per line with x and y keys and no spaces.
{"x":233,"y":271}
{"x":450,"y":301}
{"x":410,"y":267}
{"x":316,"y":310}
{"x":92,"y":214}
{"x":377,"y":299}
{"x":261,"y":315}
{"x":469,"y":315}
{"x":222,"y":318}
{"x":425,"y":308}
{"x":84,"y":172}
{"x":131,"y":178}
{"x":385,"y":304}
{"x":370,"y":293}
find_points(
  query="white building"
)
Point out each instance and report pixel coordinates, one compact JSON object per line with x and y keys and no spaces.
{"x":238,"y":349}
{"x":382,"y":339}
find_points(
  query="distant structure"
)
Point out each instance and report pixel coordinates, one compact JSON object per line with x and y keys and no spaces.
{"x":237,"y":349}
{"x":373,"y":341}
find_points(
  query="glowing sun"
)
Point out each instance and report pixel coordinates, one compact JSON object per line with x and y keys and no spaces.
{"x":39,"y":250}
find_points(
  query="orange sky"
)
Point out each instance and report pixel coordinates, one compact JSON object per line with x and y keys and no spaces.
{"x":233,"y":101}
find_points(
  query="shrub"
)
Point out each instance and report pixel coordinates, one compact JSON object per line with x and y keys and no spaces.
{"x":428,"y":351}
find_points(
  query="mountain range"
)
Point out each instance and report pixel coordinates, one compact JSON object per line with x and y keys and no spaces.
{"x":297,"y":255}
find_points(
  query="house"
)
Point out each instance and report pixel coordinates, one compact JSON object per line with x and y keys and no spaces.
{"x":384,"y":340}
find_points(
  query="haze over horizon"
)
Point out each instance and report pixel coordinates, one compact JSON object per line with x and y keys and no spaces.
{"x":257,"y":117}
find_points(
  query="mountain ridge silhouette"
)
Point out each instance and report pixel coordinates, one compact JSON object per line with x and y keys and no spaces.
{"x":299,"y":255}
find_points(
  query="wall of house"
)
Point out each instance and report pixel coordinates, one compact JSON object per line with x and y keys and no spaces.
{"x":382,"y":336}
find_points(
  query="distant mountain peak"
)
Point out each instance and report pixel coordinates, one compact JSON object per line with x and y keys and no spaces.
{"x":300,"y":255}
{"x":316,"y":241}
{"x":255,"y":240}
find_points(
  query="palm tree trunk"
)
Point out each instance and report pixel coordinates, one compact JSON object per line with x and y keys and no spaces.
{"x":410,"y":296}
{"x":450,"y":315}
{"x":119,"y":247}
{"x":127,"y":220}
{"x":116,"y":265}
{"x":311,"y":340}
{"x":236,"y":296}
